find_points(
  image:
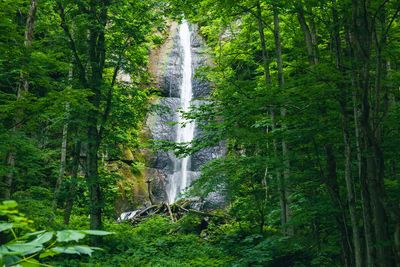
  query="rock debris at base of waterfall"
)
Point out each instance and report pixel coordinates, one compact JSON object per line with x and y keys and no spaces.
{"x":174,"y":211}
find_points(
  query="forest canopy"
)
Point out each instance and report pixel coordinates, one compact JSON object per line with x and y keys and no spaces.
{"x":303,"y":95}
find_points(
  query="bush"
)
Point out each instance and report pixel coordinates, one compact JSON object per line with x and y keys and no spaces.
{"x":22,"y":246}
{"x":157,"y":242}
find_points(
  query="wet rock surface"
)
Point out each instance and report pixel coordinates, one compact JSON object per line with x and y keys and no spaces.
{"x":157,"y":180}
{"x":173,"y":73}
{"x":162,"y":163}
{"x":201,"y":88}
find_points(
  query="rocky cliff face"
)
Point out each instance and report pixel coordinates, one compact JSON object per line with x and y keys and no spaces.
{"x":165,"y":64}
{"x":168,"y":75}
{"x":165,"y":68}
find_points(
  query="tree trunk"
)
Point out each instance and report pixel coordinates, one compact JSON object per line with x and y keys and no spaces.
{"x":365,"y":198}
{"x":371,"y":155}
{"x":350,"y":188}
{"x":312,"y":49}
{"x":340,"y":214}
{"x":92,"y":180}
{"x":96,"y":50}
{"x":351,"y":201}
{"x":69,"y":202}
{"x":30,"y":25}
{"x":22,"y":90}
{"x":285,"y":150}
{"x":266,"y":62}
{"x":63,"y":160}
{"x":263,"y":46}
{"x":92,"y":78}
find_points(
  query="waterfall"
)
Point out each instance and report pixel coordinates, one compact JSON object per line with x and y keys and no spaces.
{"x":180,"y":178}
{"x":172,"y":66}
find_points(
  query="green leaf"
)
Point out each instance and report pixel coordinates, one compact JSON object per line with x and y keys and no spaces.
{"x":48,"y":253}
{"x":69,"y":235}
{"x":11,"y":259}
{"x":32,"y":234}
{"x":30,"y":263}
{"x":10,"y":204}
{"x":25,"y":249}
{"x":95,"y":232}
{"x":66,"y":250}
{"x":5,"y":226}
{"x":43,"y":238}
{"x":4,"y":250}
{"x":84,"y":250}
{"x":76,"y":250}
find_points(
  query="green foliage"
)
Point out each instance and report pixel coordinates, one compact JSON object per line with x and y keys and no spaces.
{"x":75,"y":84}
{"x":21,"y":246}
{"x":278,"y":132}
{"x":157,"y":242}
{"x":32,"y":123}
{"x":34,"y":203}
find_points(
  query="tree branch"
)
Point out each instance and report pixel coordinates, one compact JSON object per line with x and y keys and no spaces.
{"x":63,"y":25}
{"x":110,"y":91}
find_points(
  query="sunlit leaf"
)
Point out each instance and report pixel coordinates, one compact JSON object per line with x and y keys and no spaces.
{"x":69,"y":235}
{"x":95,"y":232}
{"x":5,"y":226}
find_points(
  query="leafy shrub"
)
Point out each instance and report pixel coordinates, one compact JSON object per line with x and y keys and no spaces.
{"x":23,"y":247}
{"x":36,"y":203}
{"x":156,"y":242}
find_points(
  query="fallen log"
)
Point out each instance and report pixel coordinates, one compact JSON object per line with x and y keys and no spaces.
{"x":175,"y":211}
{"x":170,"y":212}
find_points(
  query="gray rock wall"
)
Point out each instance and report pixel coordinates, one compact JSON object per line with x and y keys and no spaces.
{"x":169,"y":81}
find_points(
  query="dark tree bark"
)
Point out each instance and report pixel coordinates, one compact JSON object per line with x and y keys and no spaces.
{"x":340,"y":215}
{"x":347,"y":141}
{"x":372,"y":158}
{"x":92,"y":78}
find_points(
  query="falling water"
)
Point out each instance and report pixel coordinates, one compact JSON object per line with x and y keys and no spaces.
{"x":180,"y":178}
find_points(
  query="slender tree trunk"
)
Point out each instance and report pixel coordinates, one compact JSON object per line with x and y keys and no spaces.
{"x":312,"y":49}
{"x":281,"y":181}
{"x":350,"y":188}
{"x":266,"y":62}
{"x":278,"y":49}
{"x":96,"y":47}
{"x":30,"y":25}
{"x":340,"y":215}
{"x":63,"y":160}
{"x":365,"y":198}
{"x":285,"y":150}
{"x":69,"y":202}
{"x":263,"y":46}
{"x":369,"y":236}
{"x":22,"y":90}
{"x":351,"y":201}
{"x":92,"y":180}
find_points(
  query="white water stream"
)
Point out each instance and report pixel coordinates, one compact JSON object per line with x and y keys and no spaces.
{"x":180,"y":178}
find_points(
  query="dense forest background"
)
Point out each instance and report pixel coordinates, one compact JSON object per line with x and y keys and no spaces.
{"x":305,"y":94}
